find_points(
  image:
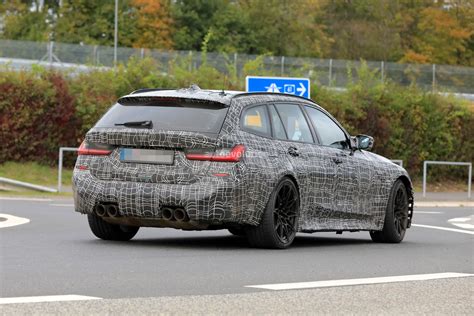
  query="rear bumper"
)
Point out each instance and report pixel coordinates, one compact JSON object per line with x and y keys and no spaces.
{"x":211,"y":200}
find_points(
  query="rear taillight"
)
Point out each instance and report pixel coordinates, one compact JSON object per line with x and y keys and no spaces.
{"x":222,"y":155}
{"x":94,"y":149}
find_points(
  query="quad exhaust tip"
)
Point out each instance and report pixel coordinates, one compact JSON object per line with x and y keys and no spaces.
{"x":180,"y":215}
{"x":104,"y":210}
{"x":112,"y":210}
{"x":167,"y":214}
{"x":177,"y":214}
{"x":100,"y":210}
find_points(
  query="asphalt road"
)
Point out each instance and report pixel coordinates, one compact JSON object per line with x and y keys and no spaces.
{"x":56,"y":254}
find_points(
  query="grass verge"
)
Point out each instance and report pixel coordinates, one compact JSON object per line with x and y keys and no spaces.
{"x":35,"y":173}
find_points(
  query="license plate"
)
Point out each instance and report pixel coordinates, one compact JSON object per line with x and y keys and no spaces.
{"x":154,"y":156}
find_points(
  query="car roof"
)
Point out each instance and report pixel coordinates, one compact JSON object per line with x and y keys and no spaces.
{"x":195,"y":93}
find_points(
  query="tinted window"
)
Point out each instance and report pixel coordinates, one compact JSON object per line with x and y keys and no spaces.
{"x":189,"y":117}
{"x":295,"y":123}
{"x":255,"y":120}
{"x":278,"y":129}
{"x":329,"y":132}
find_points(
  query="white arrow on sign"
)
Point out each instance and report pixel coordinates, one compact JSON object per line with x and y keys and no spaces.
{"x":301,"y":89}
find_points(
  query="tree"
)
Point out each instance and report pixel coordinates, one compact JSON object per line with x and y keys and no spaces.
{"x":439,"y":38}
{"x":291,"y":28}
{"x":364,"y":29}
{"x":154,"y":24}
{"x":92,"y":22}
{"x":463,"y":10}
{"x":230,"y":31}
{"x":25,"y":20}
{"x":193,"y":19}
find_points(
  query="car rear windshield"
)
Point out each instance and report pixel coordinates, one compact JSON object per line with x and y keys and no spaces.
{"x":169,"y":115}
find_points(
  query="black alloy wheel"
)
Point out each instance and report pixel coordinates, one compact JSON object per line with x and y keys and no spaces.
{"x":285,"y":212}
{"x":396,"y":217}
{"x":278,"y":226}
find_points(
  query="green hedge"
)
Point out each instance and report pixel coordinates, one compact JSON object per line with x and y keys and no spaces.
{"x":41,"y":110}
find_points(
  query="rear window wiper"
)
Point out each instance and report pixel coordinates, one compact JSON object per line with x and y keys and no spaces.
{"x":146,"y":124}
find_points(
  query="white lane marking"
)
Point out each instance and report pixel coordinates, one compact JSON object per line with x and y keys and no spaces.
{"x":444,"y":204}
{"x":461,"y":222}
{"x":48,"y":298}
{"x":8,"y":198}
{"x":333,"y":283}
{"x":460,"y":219}
{"x":12,"y":220}
{"x":427,"y":212}
{"x":445,"y":228}
{"x":62,"y":205}
{"x":465,"y":226}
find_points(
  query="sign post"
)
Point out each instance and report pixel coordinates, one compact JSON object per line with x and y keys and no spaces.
{"x":294,"y":86}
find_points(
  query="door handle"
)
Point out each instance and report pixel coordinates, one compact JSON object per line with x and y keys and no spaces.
{"x":293,"y":151}
{"x":337,"y":160}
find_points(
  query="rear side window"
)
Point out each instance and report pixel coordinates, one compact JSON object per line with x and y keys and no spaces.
{"x":295,"y":123}
{"x":255,"y":120}
{"x":169,"y":115}
{"x":278,"y":129}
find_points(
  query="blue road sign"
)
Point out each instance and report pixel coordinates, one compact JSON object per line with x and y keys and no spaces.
{"x":295,"y":86}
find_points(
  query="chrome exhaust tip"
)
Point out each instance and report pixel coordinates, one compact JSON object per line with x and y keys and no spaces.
{"x":100,"y":210}
{"x":167,"y":214}
{"x":112,"y":210}
{"x":180,"y":215}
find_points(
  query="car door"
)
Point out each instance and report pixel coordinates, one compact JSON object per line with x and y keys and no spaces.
{"x":314,"y":180}
{"x":352,"y":175}
{"x":263,"y":157}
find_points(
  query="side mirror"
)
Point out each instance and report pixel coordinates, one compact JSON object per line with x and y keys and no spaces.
{"x":364,"y":142}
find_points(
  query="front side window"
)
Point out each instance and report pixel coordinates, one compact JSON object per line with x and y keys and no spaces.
{"x":329,"y":132}
{"x":255,"y":120}
{"x":295,"y":123}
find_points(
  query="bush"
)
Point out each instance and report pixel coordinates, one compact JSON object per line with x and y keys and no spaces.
{"x":37,"y":116}
{"x":43,"y":110}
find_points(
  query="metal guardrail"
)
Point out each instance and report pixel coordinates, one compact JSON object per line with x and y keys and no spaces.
{"x":451,"y":163}
{"x":60,"y":164}
{"x":27,"y":185}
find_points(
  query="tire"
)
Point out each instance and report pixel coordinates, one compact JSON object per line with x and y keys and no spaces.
{"x":237,"y":231}
{"x":278,"y":226}
{"x":103,"y":230}
{"x":396,"y":216}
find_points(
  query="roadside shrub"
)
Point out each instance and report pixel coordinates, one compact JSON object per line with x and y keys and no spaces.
{"x":37,"y":116}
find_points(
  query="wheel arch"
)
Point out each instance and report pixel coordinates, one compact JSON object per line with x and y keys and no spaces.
{"x":276,"y":182}
{"x":409,"y":187}
{"x":293,"y":179}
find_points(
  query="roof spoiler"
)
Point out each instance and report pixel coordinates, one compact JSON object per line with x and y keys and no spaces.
{"x":131,"y":100}
{"x":192,"y":88}
{"x":149,"y":90}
